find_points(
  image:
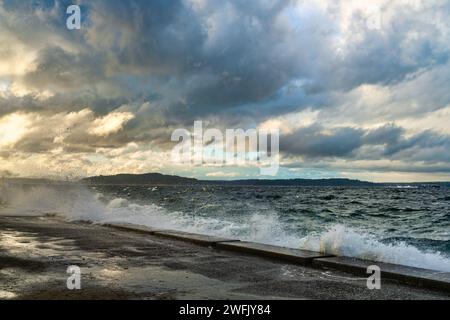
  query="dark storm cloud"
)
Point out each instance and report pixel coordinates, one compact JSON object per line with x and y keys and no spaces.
{"x":388,"y":134}
{"x":201,"y":71}
{"x":388,"y":60}
{"x":406,"y":167}
{"x":317,"y":142}
{"x":164,"y":44}
{"x":67,"y":101}
{"x":390,"y":141}
{"x":161,"y":39}
{"x":58,"y":69}
{"x":425,"y":146}
{"x":157,"y":37}
{"x":226,"y":54}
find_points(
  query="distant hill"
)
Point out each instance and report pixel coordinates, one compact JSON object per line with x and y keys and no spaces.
{"x":139,"y":179}
{"x":160,"y":179}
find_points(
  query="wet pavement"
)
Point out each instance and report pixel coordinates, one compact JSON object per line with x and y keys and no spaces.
{"x":35,"y":253}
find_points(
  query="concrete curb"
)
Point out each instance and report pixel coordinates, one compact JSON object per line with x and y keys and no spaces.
{"x":430,"y":279}
{"x":131,"y":227}
{"x":297,"y":256}
{"x":409,"y":275}
{"x":199,"y":239}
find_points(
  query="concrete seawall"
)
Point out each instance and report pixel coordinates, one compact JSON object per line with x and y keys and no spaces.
{"x":419,"y":277}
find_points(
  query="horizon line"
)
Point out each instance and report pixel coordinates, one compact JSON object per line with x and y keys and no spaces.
{"x":80,"y":179}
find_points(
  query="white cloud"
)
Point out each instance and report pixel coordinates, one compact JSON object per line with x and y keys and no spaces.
{"x":291,"y":122}
{"x":13,"y":127}
{"x":110,"y":123}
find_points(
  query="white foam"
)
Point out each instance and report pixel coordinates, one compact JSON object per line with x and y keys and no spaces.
{"x":343,"y":241}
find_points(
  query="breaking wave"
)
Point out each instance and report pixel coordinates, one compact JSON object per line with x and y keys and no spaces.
{"x":343,"y":241}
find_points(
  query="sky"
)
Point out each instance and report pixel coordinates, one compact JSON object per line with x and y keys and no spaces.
{"x":356,"y":90}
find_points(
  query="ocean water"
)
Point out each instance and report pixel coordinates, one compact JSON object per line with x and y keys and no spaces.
{"x":409,"y":226}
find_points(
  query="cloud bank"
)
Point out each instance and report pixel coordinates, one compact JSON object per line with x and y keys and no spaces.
{"x":356,"y":90}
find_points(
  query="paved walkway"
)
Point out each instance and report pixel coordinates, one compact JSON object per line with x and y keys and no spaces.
{"x":35,"y":253}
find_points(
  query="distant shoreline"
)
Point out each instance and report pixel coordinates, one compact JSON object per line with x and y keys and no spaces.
{"x":157,"y":179}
